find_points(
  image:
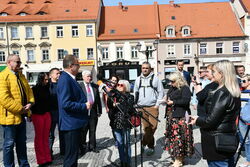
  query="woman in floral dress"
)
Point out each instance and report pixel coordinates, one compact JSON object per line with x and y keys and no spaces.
{"x":179,"y":135}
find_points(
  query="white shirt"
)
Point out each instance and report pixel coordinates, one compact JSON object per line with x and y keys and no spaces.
{"x":74,"y":77}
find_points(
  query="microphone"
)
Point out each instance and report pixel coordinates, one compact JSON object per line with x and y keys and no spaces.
{"x":103,"y":87}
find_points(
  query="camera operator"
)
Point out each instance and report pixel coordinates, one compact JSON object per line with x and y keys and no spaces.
{"x":120,"y":110}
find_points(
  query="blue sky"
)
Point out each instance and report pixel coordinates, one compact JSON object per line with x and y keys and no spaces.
{"x":142,"y":2}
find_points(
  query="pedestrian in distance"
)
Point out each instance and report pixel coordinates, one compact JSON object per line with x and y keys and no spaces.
{"x":16,"y":99}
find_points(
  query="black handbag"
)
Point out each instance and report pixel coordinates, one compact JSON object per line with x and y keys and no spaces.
{"x":226,"y":142}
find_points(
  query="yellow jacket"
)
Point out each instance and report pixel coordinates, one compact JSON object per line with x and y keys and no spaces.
{"x":10,"y":97}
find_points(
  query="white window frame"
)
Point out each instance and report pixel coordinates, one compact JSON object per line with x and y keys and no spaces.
{"x":1,"y":33}
{"x":89,"y":30}
{"x":105,"y":53}
{"x":45,"y":56}
{"x":236,"y":45}
{"x":59,"y":54}
{"x":203,"y":49}
{"x":171,"y":50}
{"x":90,"y":53}
{"x":149,"y":48}
{"x":43,"y":31}
{"x":134,"y":52}
{"x":30,"y":57}
{"x":76,"y":52}
{"x":29,"y":32}
{"x":2,"y":56}
{"x":119,"y":52}
{"x":74,"y":31}
{"x":219,"y":47}
{"x":187,"y":49}
{"x":16,"y":36}
{"x":59,"y":31}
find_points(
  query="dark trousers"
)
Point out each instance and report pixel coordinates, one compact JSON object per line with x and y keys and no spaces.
{"x":71,"y":147}
{"x":91,"y":127}
{"x":15,"y":135}
{"x":52,"y":137}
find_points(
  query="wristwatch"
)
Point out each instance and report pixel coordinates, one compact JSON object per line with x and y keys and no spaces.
{"x":199,"y":84}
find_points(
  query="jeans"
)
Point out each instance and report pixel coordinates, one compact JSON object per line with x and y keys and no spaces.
{"x":243,"y":129}
{"x":226,"y":163}
{"x":123,"y":140}
{"x":15,"y":135}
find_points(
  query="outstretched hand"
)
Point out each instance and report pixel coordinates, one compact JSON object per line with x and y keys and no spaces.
{"x":193,"y":120}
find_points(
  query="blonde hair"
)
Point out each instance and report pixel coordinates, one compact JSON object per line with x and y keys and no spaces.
{"x":178,"y":79}
{"x":126,"y":85}
{"x":229,"y":79}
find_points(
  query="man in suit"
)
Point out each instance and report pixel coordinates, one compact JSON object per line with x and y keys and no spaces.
{"x":73,"y":109}
{"x":91,"y":92}
{"x":185,"y":74}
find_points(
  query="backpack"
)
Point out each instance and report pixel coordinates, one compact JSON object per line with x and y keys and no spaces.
{"x":150,"y":83}
{"x":245,"y":113}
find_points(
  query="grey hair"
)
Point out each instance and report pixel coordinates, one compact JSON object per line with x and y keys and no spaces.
{"x":145,"y":62}
{"x":68,"y":61}
{"x":126,"y":85}
{"x":178,"y":79}
{"x":86,"y":72}
{"x":10,"y":57}
{"x":229,"y":79}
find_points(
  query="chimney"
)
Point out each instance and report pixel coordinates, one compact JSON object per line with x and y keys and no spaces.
{"x":171,"y":3}
{"x":120,"y":5}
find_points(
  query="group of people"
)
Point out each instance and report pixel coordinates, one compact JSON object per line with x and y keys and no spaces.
{"x":58,"y":99}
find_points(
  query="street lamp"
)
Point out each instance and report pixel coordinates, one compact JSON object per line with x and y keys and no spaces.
{"x":147,"y":51}
{"x":196,"y":60}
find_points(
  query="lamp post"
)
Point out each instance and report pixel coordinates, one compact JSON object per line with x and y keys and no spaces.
{"x":196,"y":60}
{"x":147,"y":50}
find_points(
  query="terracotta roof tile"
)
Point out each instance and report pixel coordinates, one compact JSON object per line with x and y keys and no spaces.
{"x":56,"y":10}
{"x":246,"y":4}
{"x":125,"y":19}
{"x":205,"y":20}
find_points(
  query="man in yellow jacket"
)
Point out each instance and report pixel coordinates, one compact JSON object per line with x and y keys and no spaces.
{"x":16,"y":98}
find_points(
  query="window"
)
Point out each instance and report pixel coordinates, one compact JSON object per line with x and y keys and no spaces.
{"x":89,"y":30}
{"x":150,"y":51}
{"x":59,"y":31}
{"x":134,"y":52}
{"x":2,"y":56}
{"x":119,"y":52}
{"x":45,"y":54}
{"x":105,"y":53}
{"x":170,"y":32}
{"x":171,"y":50}
{"x":76,"y":52}
{"x":15,"y":52}
{"x":44,"y":32}
{"x":14,"y":33}
{"x":90,"y":53}
{"x":1,"y":33}
{"x":186,"y":31}
{"x":203,"y":48}
{"x":74,"y":31}
{"x":187,"y":49}
{"x":3,"y":14}
{"x":60,"y":53}
{"x":219,"y":48}
{"x":22,"y":14}
{"x":30,"y":55}
{"x":29,"y":33}
{"x":236,"y":47}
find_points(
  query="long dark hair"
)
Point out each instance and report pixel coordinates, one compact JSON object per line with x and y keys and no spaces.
{"x":40,"y":78}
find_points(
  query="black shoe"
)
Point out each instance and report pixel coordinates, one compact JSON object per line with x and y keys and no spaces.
{"x":94,"y":150}
{"x":82,"y":152}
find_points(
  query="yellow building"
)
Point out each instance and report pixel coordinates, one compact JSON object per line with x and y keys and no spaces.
{"x":43,"y":31}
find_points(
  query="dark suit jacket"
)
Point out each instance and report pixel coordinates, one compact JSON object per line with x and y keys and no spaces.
{"x":73,"y":113}
{"x":97,"y":106}
{"x":187,"y":76}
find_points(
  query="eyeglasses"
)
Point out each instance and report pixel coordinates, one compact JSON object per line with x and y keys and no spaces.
{"x":121,"y":85}
{"x":76,"y":65}
{"x":18,"y":62}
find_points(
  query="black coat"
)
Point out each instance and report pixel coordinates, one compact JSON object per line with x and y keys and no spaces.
{"x":221,"y":118}
{"x":42,"y":99}
{"x":181,"y":98}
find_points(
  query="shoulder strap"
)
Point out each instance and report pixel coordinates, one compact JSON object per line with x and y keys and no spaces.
{"x":140,"y":83}
{"x":151,"y":81}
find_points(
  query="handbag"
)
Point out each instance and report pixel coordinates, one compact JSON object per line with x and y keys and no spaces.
{"x":226,"y":142}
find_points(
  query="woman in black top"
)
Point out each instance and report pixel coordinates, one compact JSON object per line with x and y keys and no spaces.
{"x":179,"y":137}
{"x":222,"y":110}
{"x":41,"y":119}
{"x":120,"y":110}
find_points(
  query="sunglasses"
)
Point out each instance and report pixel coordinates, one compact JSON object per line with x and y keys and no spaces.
{"x":18,"y":62}
{"x":121,"y":85}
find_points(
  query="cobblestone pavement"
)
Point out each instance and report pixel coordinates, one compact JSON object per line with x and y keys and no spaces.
{"x":108,"y":156}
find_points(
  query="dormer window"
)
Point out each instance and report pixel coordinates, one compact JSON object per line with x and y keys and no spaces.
{"x":186,"y":31}
{"x":22,"y":14}
{"x":41,"y":13}
{"x":170,"y":31}
{"x":3,"y":14}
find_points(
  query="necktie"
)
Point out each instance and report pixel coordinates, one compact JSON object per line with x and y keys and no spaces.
{"x":22,"y":90}
{"x":89,"y":95}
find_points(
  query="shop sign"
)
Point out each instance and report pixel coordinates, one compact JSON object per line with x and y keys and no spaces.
{"x":87,"y":63}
